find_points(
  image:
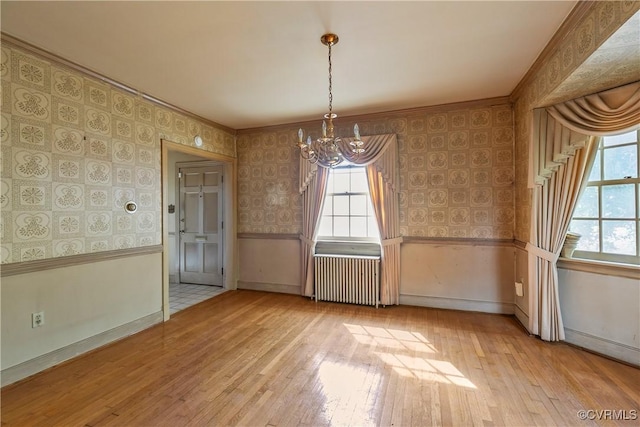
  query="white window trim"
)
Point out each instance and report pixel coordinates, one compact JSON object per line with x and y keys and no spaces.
{"x":344,"y":240}
{"x":606,"y":258}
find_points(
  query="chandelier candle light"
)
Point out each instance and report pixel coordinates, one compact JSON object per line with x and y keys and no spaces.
{"x":326,"y":151}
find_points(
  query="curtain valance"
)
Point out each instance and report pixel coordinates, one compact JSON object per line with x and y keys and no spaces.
{"x":560,"y":130}
{"x":381,"y":150}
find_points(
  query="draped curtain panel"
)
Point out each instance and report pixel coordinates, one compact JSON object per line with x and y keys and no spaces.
{"x":553,"y":205}
{"x":381,"y":159}
{"x":313,"y":187}
{"x":564,"y":142}
{"x":385,"y":205}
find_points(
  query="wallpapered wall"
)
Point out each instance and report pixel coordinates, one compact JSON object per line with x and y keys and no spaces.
{"x":456,"y":172}
{"x":599,"y":23}
{"x":74,"y":150}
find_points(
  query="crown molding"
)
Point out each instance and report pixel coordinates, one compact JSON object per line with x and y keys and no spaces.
{"x":433,"y":109}
{"x":577,"y":14}
{"x":35,"y":50}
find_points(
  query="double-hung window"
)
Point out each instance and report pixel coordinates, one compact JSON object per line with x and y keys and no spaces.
{"x":348,"y":213}
{"x":608,"y":213}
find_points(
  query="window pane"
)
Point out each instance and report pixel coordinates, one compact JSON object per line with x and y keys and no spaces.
{"x":625,"y":138}
{"x":341,"y":205}
{"x":327,"y":209}
{"x":619,"y":237}
{"x":359,"y":205}
{"x":372,"y":228}
{"x":587,"y":206}
{"x":340,"y":180}
{"x":359,"y":181}
{"x":358,"y":227}
{"x":344,"y":214}
{"x":620,"y":162}
{"x":590,"y":240}
{"x":330,"y":183}
{"x":325,"y":226}
{"x":341,"y":226}
{"x":618,"y":201}
{"x":596,"y":174}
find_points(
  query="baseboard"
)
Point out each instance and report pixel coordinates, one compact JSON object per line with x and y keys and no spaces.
{"x":522,"y":316}
{"x":40,"y":363}
{"x":173,"y":278}
{"x":603,"y":346}
{"x":270,"y":287}
{"x":457,"y":304}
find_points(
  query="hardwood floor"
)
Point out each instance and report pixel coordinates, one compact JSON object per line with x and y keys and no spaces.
{"x":256,"y":359}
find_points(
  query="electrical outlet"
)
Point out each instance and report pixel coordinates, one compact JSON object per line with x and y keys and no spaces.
{"x":37,"y":319}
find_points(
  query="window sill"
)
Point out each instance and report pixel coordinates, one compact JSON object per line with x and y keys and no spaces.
{"x":352,"y":248}
{"x":629,"y":271}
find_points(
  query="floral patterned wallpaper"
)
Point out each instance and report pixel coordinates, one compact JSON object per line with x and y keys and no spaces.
{"x":548,"y":85}
{"x":73,"y":151}
{"x":456,"y":172}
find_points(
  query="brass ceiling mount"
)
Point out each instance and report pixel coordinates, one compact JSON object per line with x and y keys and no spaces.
{"x":329,"y":39}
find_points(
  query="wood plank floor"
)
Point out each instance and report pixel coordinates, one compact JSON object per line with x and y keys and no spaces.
{"x":263,"y":359}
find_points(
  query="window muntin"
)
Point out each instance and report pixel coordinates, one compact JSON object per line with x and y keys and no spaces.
{"x":348,"y":213}
{"x":608,"y":212}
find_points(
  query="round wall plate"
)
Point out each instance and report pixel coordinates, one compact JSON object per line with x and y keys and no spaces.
{"x":130,"y":207}
{"x":197,"y":140}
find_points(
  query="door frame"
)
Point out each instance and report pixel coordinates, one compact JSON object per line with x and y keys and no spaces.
{"x":178,"y":208}
{"x":230,"y":257}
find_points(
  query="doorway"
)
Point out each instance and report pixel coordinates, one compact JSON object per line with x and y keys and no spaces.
{"x":198,"y":225}
{"x":199,"y":212}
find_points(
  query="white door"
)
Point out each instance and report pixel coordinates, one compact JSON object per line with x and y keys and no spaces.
{"x":201,"y":225}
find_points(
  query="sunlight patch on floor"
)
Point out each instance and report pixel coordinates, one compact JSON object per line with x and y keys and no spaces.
{"x":398,"y":343}
{"x":349,"y":394}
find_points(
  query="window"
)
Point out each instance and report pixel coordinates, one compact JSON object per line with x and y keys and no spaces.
{"x":348,"y":213}
{"x":607,"y":214}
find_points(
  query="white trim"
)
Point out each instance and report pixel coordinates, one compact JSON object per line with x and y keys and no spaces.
{"x":40,"y":363}
{"x":521,"y":315}
{"x":25,"y":267}
{"x":282,"y":288}
{"x":603,"y":346}
{"x":458,"y":304}
{"x":600,"y":267}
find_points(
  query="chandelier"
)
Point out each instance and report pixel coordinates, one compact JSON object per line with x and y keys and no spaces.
{"x":327,"y":151}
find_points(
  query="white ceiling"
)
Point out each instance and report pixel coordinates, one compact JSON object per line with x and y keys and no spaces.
{"x":251,"y":64}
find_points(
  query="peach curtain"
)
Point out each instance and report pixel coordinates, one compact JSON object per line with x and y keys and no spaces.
{"x":553,"y":205}
{"x":313,"y":187}
{"x":381,"y":159}
{"x":385,"y":205}
{"x":565,"y":139}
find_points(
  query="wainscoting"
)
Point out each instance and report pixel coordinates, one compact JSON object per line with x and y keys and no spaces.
{"x":87,"y":300}
{"x":461,"y":274}
{"x":601,"y":312}
{"x":270,"y":262}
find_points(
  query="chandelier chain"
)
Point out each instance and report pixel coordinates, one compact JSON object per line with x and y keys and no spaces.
{"x":329,"y":150}
{"x":330,"y":91}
